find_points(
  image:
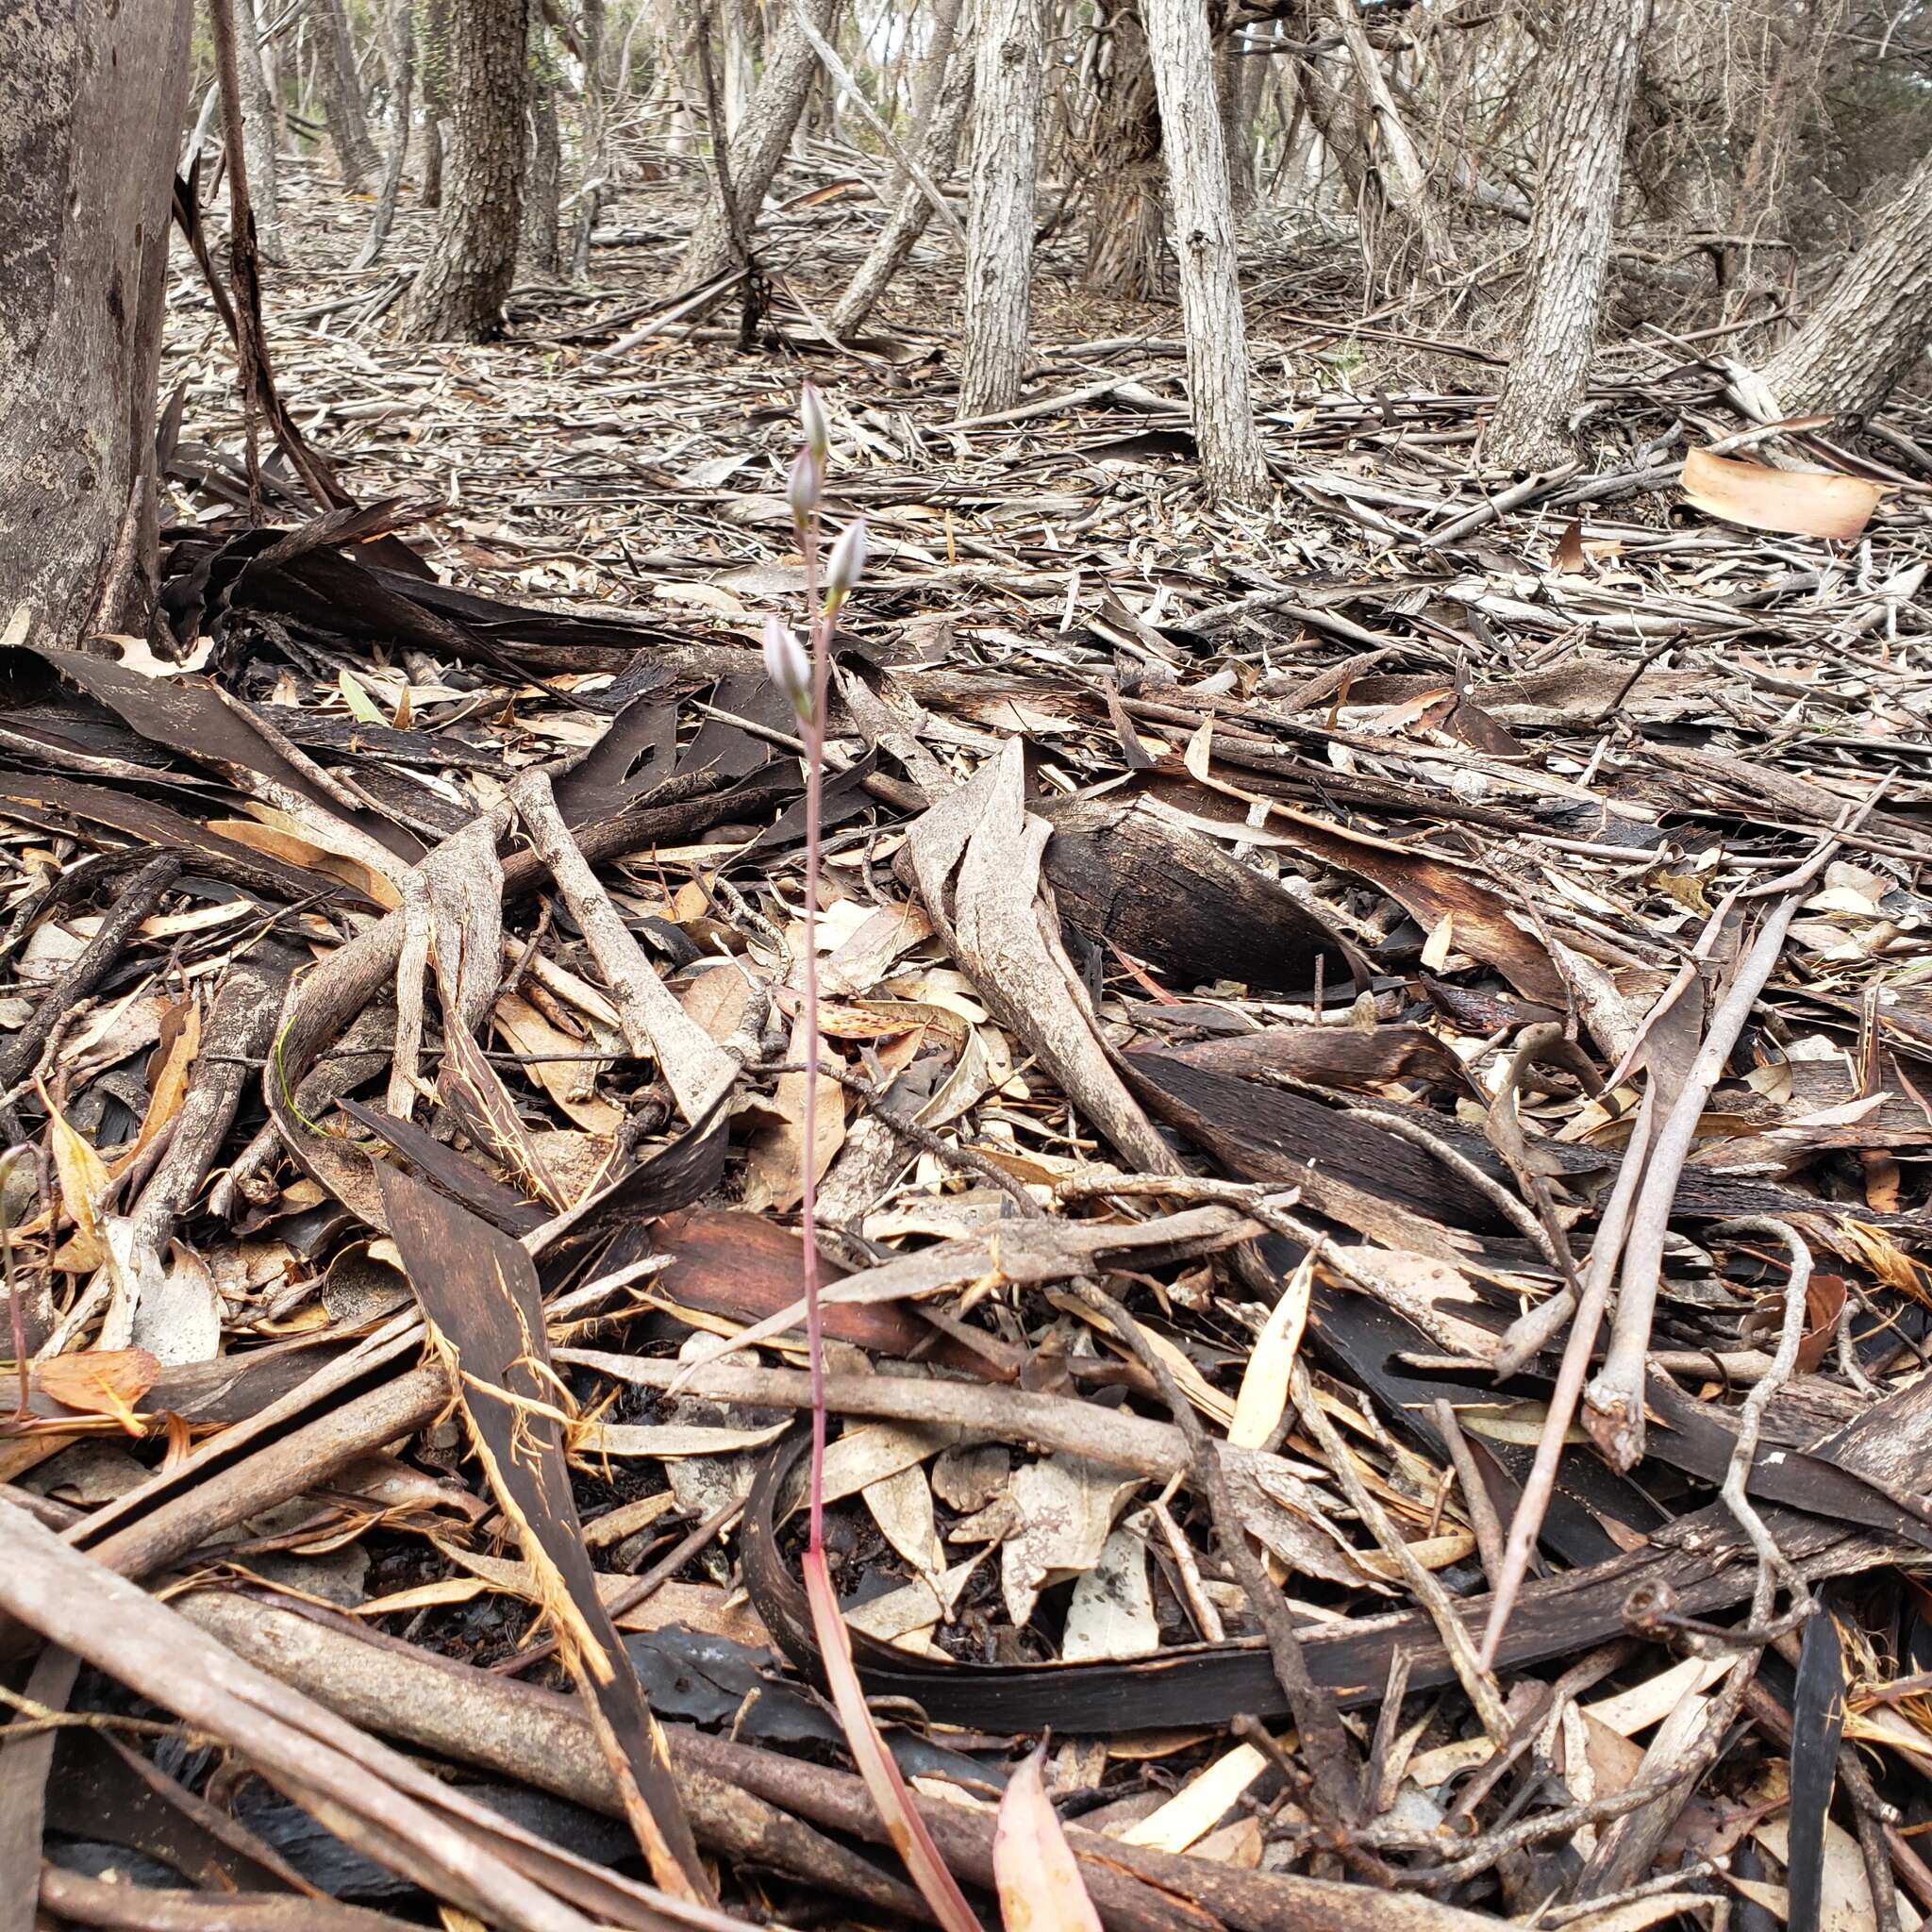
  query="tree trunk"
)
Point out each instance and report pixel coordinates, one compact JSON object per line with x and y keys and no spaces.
{"x":935,"y":70}
{"x":432,"y":47}
{"x":1125,"y":222}
{"x":92,"y":108}
{"x":543,"y":171}
{"x":1183,"y":55}
{"x":459,"y":295}
{"x":1861,"y":342}
{"x":1409,"y":238}
{"x":400,"y":54}
{"x":999,"y":230}
{"x":342,"y":96}
{"x":1593,"y":72}
{"x":259,"y":123}
{"x":760,"y":144}
{"x":935,"y":157}
{"x":1233,"y":72}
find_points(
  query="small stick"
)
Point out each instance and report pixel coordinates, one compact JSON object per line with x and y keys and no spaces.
{"x":1475,"y":1492}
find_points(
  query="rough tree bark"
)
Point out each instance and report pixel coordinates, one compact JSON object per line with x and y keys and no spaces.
{"x":432,"y":49}
{"x":1231,"y":464}
{"x":1125,"y":223}
{"x":759,"y":143}
{"x":342,"y":96}
{"x":937,"y":154}
{"x":458,"y":295}
{"x":543,"y":168}
{"x":92,"y":107}
{"x":999,"y":230}
{"x":1592,"y":72}
{"x":1862,"y":341}
{"x":259,"y":123}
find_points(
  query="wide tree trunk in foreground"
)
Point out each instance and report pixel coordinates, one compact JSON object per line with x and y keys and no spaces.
{"x":1862,"y":340}
{"x":1231,"y":463}
{"x":259,"y":136}
{"x":999,"y":230}
{"x":342,"y":96}
{"x":459,"y":295}
{"x":937,"y":154}
{"x":760,"y":144}
{"x":92,"y":107}
{"x":1590,"y":77}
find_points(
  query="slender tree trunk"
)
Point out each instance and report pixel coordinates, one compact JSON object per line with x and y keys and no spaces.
{"x":1862,"y":341}
{"x":544,"y":169}
{"x":937,"y":154}
{"x":459,"y":295}
{"x":433,"y":52}
{"x":92,"y":108}
{"x":1231,"y":75}
{"x":935,"y":70}
{"x":594,"y":136}
{"x":342,"y":95}
{"x":1125,"y":220}
{"x":259,"y":123}
{"x":999,"y":230}
{"x":1231,"y":462}
{"x":1591,"y":74}
{"x":402,"y":75}
{"x":760,"y":144}
{"x":1409,"y":238}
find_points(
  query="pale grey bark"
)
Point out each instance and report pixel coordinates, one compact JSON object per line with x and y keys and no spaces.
{"x":400,"y":54}
{"x":342,"y":95}
{"x":1204,"y":242}
{"x":1863,"y":339}
{"x":759,"y":143}
{"x":259,"y":133}
{"x":999,"y":231}
{"x":937,"y":154}
{"x":1412,"y":233}
{"x":92,"y":108}
{"x":933,"y":71}
{"x":1590,"y":73}
{"x":1125,"y":220}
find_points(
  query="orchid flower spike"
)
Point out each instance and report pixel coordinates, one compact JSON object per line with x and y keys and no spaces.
{"x":848,"y":561}
{"x":812,"y":417}
{"x":802,"y":490}
{"x":789,"y":667}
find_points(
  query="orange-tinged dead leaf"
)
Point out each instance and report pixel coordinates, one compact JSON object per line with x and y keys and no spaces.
{"x":1802,"y":502}
{"x":168,"y":1081}
{"x":1039,"y":1878}
{"x":83,"y":1174}
{"x":100,"y":1382}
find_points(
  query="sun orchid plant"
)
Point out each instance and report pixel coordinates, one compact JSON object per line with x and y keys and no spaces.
{"x":801,"y":668}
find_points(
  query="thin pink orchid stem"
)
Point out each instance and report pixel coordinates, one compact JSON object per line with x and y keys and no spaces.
{"x":821,"y":636}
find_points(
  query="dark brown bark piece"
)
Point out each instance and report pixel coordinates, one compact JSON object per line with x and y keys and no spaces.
{"x":1172,"y":898}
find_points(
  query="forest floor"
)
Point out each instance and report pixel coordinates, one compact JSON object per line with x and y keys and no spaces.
{"x":1431,"y":856}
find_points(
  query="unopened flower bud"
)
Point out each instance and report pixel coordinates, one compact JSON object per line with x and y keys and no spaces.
{"x":789,"y":667}
{"x":812,"y":417}
{"x":848,"y":561}
{"x":802,"y":491}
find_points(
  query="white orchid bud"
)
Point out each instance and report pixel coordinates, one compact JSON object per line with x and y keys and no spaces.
{"x":789,"y":667}
{"x":802,"y":490}
{"x":812,"y":417}
{"x":848,"y":562}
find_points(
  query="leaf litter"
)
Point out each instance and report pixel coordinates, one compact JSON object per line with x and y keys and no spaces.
{"x":1287,"y":977}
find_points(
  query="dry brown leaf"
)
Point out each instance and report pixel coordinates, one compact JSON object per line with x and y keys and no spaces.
{"x":100,"y":1382}
{"x":1801,"y":502}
